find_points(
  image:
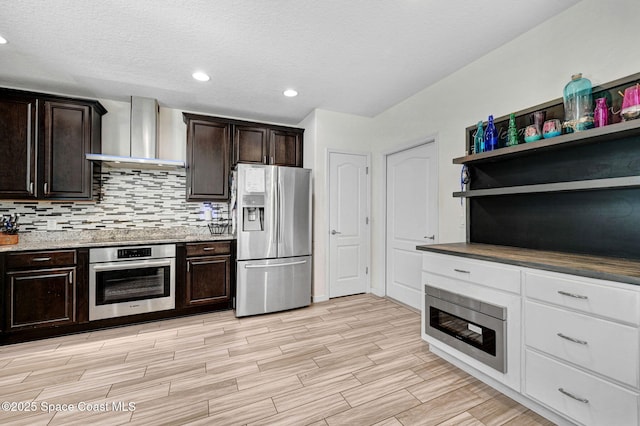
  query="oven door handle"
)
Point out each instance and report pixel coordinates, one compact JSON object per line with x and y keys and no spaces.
{"x":130,"y":265}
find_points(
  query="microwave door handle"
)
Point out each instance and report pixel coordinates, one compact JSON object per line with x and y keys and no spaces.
{"x":130,"y":265}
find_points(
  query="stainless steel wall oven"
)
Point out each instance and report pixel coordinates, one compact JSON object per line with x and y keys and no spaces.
{"x":131,"y":280}
{"x":474,"y":327}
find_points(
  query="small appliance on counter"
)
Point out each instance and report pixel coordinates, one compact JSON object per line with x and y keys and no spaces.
{"x":272,"y":224}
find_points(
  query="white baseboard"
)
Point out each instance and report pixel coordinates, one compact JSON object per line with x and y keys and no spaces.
{"x":378,"y":292}
{"x":321,"y":298}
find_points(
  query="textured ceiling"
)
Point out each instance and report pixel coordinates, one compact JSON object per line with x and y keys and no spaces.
{"x":353,"y":56}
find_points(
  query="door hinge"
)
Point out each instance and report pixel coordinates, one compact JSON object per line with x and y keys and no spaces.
{"x":366,"y":170}
{"x":366,"y":270}
{"x":367,"y":220}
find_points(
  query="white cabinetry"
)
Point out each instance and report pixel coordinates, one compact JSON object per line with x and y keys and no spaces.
{"x":582,"y":347}
{"x":573,"y":343}
{"x":489,"y":282}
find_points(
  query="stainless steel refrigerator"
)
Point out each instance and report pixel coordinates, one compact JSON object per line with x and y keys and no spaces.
{"x":273,"y":231}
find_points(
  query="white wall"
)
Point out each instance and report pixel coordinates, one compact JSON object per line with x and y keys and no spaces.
{"x":593,"y":37}
{"x":324,"y":130}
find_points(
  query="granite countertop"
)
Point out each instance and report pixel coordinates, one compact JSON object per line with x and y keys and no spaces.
{"x":600,"y":267}
{"x":103,"y":238}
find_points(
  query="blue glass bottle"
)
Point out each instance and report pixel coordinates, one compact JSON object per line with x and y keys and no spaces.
{"x":478,"y":140}
{"x":490,"y":136}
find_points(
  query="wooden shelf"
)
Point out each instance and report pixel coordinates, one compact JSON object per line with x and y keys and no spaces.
{"x":581,"y":185}
{"x":600,"y":134}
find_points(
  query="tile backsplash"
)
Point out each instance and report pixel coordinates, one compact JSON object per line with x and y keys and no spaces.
{"x":127,"y":199}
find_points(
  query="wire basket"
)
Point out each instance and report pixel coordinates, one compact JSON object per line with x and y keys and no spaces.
{"x":219,"y":227}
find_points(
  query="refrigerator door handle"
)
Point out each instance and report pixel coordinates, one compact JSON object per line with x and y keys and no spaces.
{"x":300,"y":262}
{"x":280,"y":213}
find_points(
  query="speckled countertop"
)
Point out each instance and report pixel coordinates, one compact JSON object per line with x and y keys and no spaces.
{"x":600,"y":267}
{"x":53,"y":240}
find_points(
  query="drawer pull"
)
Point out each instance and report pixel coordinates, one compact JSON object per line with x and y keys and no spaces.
{"x":462,"y":271}
{"x":576,"y":296}
{"x":41,"y":259}
{"x":570,"y":395}
{"x":208,"y":248}
{"x":574,"y":340}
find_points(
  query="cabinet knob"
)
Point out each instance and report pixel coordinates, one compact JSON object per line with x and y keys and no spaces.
{"x":433,"y":237}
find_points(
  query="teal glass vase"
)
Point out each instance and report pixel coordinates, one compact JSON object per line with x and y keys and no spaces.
{"x":478,"y":140}
{"x":578,"y":104}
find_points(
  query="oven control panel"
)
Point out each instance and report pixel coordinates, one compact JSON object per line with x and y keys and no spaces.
{"x":132,"y":253}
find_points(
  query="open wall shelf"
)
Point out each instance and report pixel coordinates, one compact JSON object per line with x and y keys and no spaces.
{"x":576,"y":193}
{"x":598,"y":135}
{"x":581,"y":185}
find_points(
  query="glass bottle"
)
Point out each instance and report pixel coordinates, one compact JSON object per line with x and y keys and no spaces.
{"x":601,"y":113}
{"x":490,"y":136}
{"x":578,"y":109}
{"x":512,"y":133}
{"x":478,"y":140}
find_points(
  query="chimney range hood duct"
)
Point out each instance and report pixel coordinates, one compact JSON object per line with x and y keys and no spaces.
{"x":143,"y":146}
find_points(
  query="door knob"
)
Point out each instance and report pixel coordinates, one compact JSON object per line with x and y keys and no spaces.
{"x":433,"y":237}
{"x":334,"y":232}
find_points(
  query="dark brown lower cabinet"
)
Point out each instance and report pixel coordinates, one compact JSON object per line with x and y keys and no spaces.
{"x":40,"y":289}
{"x":208,"y":278}
{"x":40,"y":298}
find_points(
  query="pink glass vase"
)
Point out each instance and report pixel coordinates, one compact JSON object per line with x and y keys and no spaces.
{"x":601,"y":113}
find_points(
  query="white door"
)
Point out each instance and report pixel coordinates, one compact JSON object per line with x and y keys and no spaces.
{"x":412,"y":193}
{"x":348,"y":224}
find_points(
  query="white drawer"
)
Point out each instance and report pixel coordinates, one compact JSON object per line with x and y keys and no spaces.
{"x":489,"y":274}
{"x":607,"y":404}
{"x":605,"y":347}
{"x":590,"y":297}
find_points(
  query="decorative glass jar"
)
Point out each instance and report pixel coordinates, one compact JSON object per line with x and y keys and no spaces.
{"x":578,"y":104}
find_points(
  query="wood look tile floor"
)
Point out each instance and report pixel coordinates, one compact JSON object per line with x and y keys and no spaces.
{"x":356,"y":360}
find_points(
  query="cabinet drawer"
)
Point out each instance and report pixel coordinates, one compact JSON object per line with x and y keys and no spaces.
{"x":603,"y":403}
{"x":602,"y":346}
{"x":40,"y":259}
{"x":486,"y":273}
{"x":603,"y":300}
{"x":202,"y":249}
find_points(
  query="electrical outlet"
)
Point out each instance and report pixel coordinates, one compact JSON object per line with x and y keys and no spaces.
{"x":51,"y":225}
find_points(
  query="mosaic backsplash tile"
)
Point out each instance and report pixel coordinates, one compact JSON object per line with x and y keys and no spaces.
{"x":127,"y":199}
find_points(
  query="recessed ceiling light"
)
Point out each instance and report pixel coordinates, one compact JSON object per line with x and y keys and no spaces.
{"x":200,"y":76}
{"x":3,"y":40}
{"x":290,"y":93}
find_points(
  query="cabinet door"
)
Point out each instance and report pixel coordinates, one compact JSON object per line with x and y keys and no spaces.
{"x":17,"y":139}
{"x":208,"y":280}
{"x":208,"y":146}
{"x":40,"y":298}
{"x":67,"y":138}
{"x":285,"y":148}
{"x":250,"y":145}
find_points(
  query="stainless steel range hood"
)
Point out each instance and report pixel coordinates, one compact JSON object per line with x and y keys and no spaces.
{"x":143,"y":146}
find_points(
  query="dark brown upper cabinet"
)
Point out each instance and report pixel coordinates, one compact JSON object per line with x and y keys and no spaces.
{"x":208,"y":158}
{"x":250,"y":145}
{"x":264,"y":144}
{"x":44,"y":140}
{"x":18,"y":141}
{"x":216,"y":144}
{"x":285,"y":148}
